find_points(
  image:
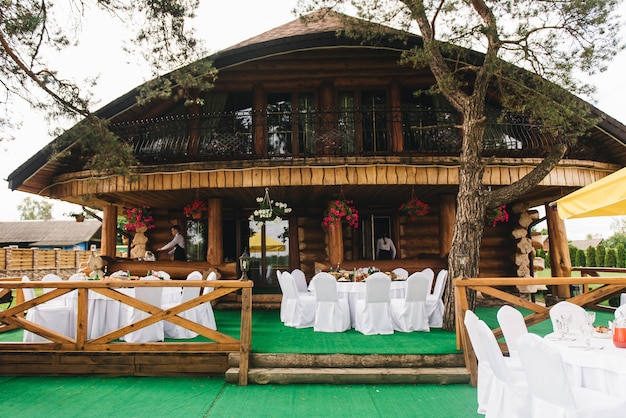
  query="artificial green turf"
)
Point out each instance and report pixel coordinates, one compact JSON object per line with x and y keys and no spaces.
{"x":63,"y":397}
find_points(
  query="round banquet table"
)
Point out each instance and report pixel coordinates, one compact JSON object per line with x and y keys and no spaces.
{"x":602,"y":367}
{"x":354,"y":291}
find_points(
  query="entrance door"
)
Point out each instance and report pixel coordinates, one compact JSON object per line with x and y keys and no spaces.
{"x":371,"y":230}
{"x":269,"y":251}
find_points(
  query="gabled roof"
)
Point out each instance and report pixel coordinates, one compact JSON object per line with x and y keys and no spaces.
{"x":583,"y":244}
{"x":48,"y":233}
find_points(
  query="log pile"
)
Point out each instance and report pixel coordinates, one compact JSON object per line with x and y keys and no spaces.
{"x":525,"y":258}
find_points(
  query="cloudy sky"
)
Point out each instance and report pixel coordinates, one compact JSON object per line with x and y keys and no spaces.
{"x":220,"y":24}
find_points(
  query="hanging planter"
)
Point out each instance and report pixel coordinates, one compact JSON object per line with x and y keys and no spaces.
{"x":139,"y":218}
{"x":195,"y":209}
{"x":342,"y":210}
{"x":495,"y":215}
{"x":414,"y":208}
{"x":269,"y":211}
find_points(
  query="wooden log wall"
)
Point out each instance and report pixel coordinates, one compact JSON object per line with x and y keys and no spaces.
{"x":312,"y":243}
{"x":421,"y":236}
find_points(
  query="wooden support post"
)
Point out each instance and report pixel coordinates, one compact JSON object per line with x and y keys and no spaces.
{"x":395,"y":93}
{"x":245,"y":336}
{"x":560,"y":262}
{"x":462,"y":338}
{"x":447,"y":216}
{"x":81,"y":318}
{"x":109,"y":231}
{"x":335,"y":241}
{"x":259,"y":120}
{"x":215,"y":249}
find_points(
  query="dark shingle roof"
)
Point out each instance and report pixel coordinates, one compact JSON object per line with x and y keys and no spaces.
{"x":48,"y":233}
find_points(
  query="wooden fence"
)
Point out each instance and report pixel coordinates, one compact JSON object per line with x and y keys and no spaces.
{"x":14,"y":317}
{"x":35,"y":262}
{"x":608,"y":287}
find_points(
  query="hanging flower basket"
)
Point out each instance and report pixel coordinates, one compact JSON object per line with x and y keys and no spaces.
{"x":139,"y":218}
{"x":269,"y":210}
{"x":194,"y":210}
{"x":495,"y":215}
{"x":414,"y":208}
{"x":342,"y":210}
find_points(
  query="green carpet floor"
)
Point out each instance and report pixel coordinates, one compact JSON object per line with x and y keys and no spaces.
{"x":52,"y":397}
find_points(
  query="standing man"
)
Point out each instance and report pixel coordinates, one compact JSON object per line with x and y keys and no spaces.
{"x":176,"y":246}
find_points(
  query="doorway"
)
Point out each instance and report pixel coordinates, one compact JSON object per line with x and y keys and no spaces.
{"x":371,"y":229}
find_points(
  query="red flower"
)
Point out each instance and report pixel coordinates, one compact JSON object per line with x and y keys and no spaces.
{"x":414,"y":208}
{"x":139,"y":217}
{"x":195,"y":207}
{"x":342,"y":209}
{"x":496,"y":215}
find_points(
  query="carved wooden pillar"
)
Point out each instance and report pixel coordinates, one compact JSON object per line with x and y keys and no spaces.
{"x":259,"y":120}
{"x":215,"y":249}
{"x":447,"y":216}
{"x":395,"y":96}
{"x":109,"y":231}
{"x":335,"y":241}
{"x":560,"y":262}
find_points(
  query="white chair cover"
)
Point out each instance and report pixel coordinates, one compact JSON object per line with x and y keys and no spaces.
{"x":401,"y":272}
{"x":372,"y":314}
{"x":202,"y":314}
{"x":431,"y":277}
{"x":552,"y":395}
{"x":577,"y":314}
{"x":513,"y":326}
{"x":53,"y":278}
{"x":409,"y":313}
{"x":331,"y":313}
{"x":57,"y":317}
{"x":299,"y":309}
{"x":508,"y":396}
{"x":434,"y":301}
{"x":620,"y":312}
{"x":154,"y":332}
{"x":300,"y":279}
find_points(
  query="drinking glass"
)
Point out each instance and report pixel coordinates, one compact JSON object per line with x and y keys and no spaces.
{"x":560,"y":328}
{"x":566,"y":319}
{"x":587,"y":331}
{"x":591,"y":318}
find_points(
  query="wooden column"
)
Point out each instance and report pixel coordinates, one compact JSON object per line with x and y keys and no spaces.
{"x":395,"y":96}
{"x":447,"y":216}
{"x":560,"y":262}
{"x":259,"y":120}
{"x":109,"y":231}
{"x":194,"y":129}
{"x":328,"y":121}
{"x":335,"y":241}
{"x":215,"y":249}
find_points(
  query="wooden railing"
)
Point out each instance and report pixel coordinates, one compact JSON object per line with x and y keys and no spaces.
{"x":608,"y":287}
{"x":14,"y":317}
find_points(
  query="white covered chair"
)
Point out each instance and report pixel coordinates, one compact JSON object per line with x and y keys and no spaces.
{"x":401,"y":272}
{"x":299,"y":309}
{"x":508,"y":395}
{"x":409,"y":313}
{"x":485,"y":375}
{"x":620,"y":312}
{"x":434,"y":301}
{"x":428,"y":272}
{"x":56,"y":317}
{"x":201,"y":314}
{"x":577,"y":315}
{"x":300,"y":279}
{"x":51,"y":277}
{"x":513,"y":326}
{"x":372,"y":314}
{"x":552,"y":395}
{"x":331,"y":313}
{"x":154,"y":332}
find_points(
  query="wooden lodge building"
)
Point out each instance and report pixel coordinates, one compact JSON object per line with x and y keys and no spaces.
{"x":314,"y":116}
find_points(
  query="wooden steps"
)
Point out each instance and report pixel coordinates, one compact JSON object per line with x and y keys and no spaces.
{"x":259,"y":301}
{"x":441,"y":369}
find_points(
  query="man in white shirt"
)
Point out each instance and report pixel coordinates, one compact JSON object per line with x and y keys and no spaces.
{"x":176,"y":246}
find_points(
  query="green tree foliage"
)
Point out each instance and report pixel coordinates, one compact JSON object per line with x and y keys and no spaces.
{"x":581,"y":259}
{"x":32,"y":209}
{"x":621,"y":256}
{"x":610,"y":259}
{"x":600,"y":255}
{"x":572,"y":253}
{"x":30,"y":31}
{"x":617,"y":239}
{"x":591,"y":257}
{"x":569,"y":37}
{"x":547,"y":260}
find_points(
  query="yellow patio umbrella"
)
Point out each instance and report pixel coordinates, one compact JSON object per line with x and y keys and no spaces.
{"x":271,"y":245}
{"x":605,"y":197}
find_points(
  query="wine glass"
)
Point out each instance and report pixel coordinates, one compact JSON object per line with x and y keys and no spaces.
{"x":566,"y":319}
{"x":560,"y":328}
{"x":591,"y":318}
{"x":587,"y":331}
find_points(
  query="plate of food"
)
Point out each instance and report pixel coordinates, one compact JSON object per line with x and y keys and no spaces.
{"x":602,"y":331}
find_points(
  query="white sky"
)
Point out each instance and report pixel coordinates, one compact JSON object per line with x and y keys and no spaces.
{"x":220,"y":24}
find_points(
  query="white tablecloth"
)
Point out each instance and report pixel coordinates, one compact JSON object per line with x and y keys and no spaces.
{"x":602,"y":368}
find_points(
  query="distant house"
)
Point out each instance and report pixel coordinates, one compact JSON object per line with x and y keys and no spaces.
{"x":66,"y":235}
{"x":583,"y":244}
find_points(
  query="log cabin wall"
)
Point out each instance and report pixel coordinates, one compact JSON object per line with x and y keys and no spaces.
{"x":312,"y":244}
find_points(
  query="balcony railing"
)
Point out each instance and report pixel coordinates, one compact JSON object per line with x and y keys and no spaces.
{"x":336,"y":132}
